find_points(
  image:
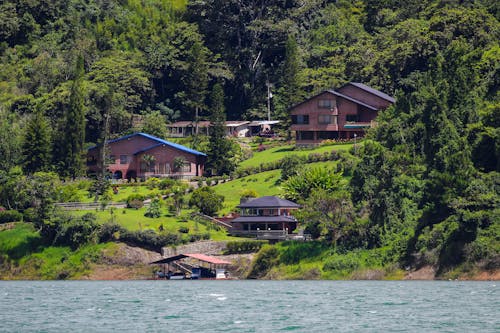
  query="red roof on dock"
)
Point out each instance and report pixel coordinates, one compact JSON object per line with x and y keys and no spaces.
{"x":199,"y":256}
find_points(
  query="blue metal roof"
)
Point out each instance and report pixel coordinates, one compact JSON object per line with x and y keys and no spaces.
{"x":160,"y":142}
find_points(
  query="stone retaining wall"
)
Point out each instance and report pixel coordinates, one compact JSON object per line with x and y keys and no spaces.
{"x":204,"y":247}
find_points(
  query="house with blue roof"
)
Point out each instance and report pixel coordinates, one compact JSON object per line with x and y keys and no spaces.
{"x":141,"y":155}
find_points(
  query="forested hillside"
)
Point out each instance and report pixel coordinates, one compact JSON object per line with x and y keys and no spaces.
{"x":425,"y":186}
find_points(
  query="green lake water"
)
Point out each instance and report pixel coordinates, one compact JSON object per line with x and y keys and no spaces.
{"x":249,"y":306}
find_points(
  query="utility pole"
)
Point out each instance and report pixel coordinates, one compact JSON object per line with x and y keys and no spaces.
{"x":355,"y":135}
{"x":269,"y":96}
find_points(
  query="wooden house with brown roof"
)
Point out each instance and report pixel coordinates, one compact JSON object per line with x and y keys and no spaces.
{"x":266,"y":217}
{"x":337,"y":114}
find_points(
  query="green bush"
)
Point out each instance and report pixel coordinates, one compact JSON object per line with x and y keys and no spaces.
{"x":135,"y":200}
{"x":206,"y":200}
{"x":266,"y":258}
{"x":184,"y":230}
{"x":293,"y":252}
{"x":345,"y":263}
{"x":153,"y":210}
{"x":10,"y":216}
{"x":74,"y":231}
{"x":244,"y":246}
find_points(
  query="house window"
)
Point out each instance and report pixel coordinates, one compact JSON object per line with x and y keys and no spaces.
{"x":123,"y":159}
{"x":325,"y":103}
{"x":186,"y":167}
{"x":328,"y":135}
{"x":300,"y":119}
{"x":147,"y":167}
{"x":305,"y":135}
{"x":325,"y":119}
{"x":351,"y":118}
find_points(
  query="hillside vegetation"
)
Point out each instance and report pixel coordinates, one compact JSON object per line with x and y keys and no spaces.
{"x":422,"y":190}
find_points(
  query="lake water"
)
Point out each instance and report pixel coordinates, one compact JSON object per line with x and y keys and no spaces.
{"x":249,"y":306}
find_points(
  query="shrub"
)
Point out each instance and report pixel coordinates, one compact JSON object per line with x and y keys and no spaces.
{"x":293,"y":252}
{"x":167,"y":183}
{"x":244,"y":246}
{"x":10,"y":216}
{"x":153,"y":209}
{"x":184,"y":230}
{"x":265,"y":259}
{"x":75,"y":231}
{"x":153,"y":183}
{"x":135,"y":200}
{"x":289,"y":166}
{"x":206,"y":200}
{"x":345,"y":263}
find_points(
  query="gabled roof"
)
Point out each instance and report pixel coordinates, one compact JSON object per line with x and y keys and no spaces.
{"x":372,"y":91}
{"x":199,"y":256}
{"x":333,"y":92}
{"x":269,"y":202}
{"x":263,"y":219}
{"x":352,"y":99}
{"x":159,"y":143}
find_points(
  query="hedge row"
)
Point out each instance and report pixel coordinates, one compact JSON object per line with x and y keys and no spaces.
{"x":7,"y":216}
{"x":147,"y":239}
{"x":311,"y":158}
{"x":244,"y":246}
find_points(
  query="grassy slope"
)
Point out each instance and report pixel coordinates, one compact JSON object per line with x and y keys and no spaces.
{"x":23,"y":254}
{"x":134,"y":219}
{"x":277,"y":153}
{"x":121,"y":196}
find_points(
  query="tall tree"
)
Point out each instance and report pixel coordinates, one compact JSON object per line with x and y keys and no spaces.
{"x":74,"y":131}
{"x":36,"y":148}
{"x":196,"y":80}
{"x":219,"y":151}
{"x":10,"y":140}
{"x":290,"y":90}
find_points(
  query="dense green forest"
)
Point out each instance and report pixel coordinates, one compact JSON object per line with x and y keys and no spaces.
{"x":425,"y":186}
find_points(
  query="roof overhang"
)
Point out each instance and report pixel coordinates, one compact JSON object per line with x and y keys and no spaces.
{"x":199,"y":256}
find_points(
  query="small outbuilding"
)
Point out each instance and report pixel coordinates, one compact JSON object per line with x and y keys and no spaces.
{"x":266,"y":217}
{"x":192,"y":266}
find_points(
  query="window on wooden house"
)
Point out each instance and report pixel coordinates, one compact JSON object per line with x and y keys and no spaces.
{"x":123,"y":159}
{"x":325,"y":103}
{"x":351,"y":118}
{"x":327,"y":119}
{"x":300,"y":119}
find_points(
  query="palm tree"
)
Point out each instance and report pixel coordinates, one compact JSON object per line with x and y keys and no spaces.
{"x":179,"y":163}
{"x":150,"y":162}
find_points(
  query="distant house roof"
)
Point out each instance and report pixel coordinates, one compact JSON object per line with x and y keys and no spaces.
{"x":159,"y":143}
{"x":336,"y":93}
{"x":228,"y":123}
{"x":262,"y":219}
{"x":189,"y":123}
{"x":199,"y":256}
{"x":236,"y":123}
{"x":263,"y":122}
{"x":372,"y":91}
{"x":269,"y":202}
{"x":352,"y":99}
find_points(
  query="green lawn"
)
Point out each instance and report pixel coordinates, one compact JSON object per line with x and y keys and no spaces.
{"x":277,"y":153}
{"x":264,"y":183}
{"x":121,"y":196}
{"x":134,"y":219}
{"x":19,"y":241}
